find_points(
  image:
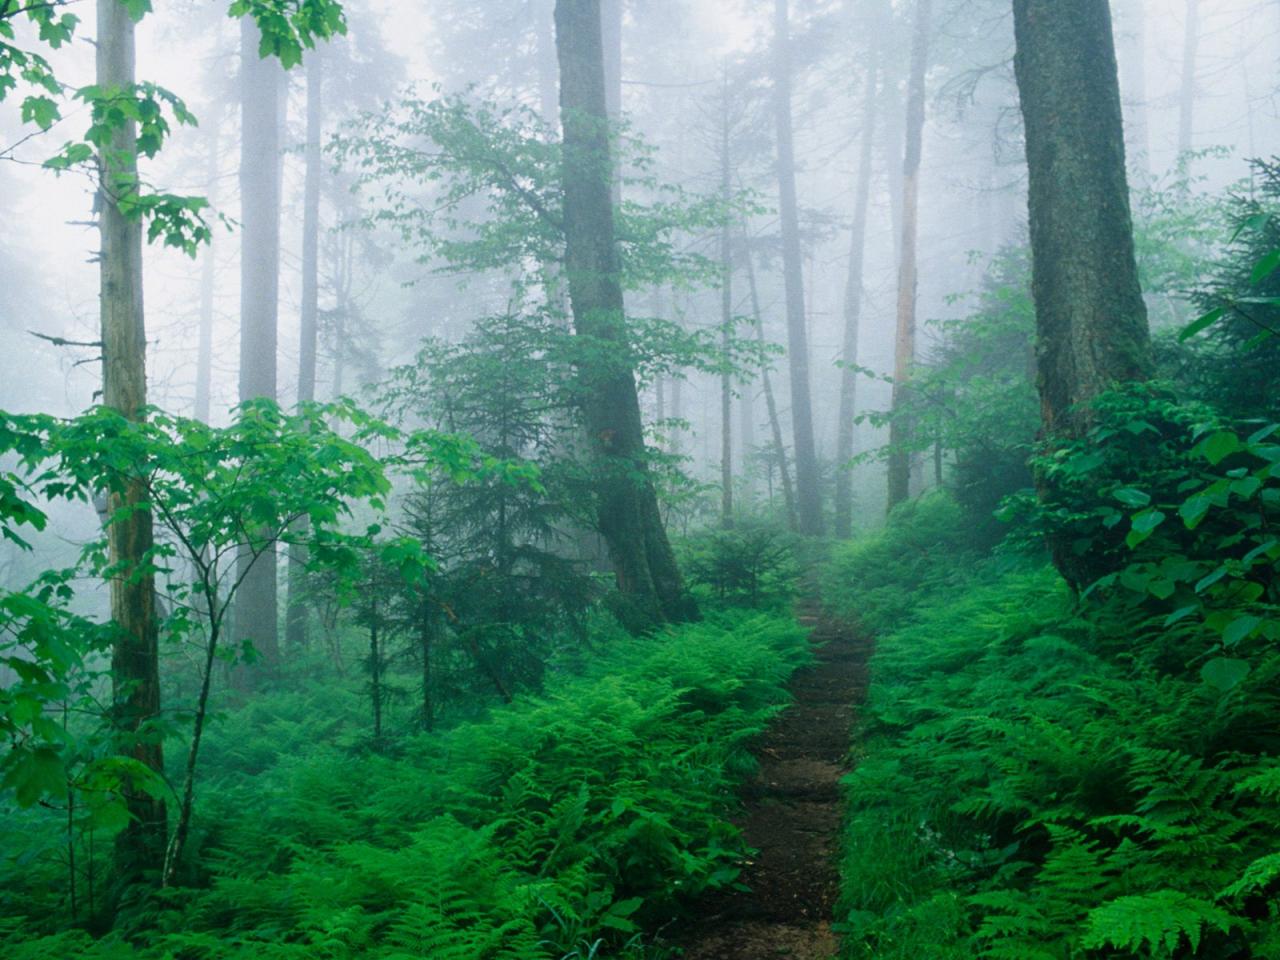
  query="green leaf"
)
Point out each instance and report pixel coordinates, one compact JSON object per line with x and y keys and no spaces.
{"x":1132,"y":497}
{"x":1202,"y":323}
{"x":1265,"y":267}
{"x":1224,"y":673}
{"x":1143,"y":525}
{"x":1240,"y":629}
{"x":1218,"y":446}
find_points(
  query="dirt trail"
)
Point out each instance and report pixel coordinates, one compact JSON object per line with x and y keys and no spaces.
{"x":792,"y":816}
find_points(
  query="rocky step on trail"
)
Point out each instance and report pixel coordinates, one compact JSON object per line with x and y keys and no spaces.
{"x":792,"y":815}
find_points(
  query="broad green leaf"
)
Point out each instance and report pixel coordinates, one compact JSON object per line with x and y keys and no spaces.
{"x":1224,"y":673}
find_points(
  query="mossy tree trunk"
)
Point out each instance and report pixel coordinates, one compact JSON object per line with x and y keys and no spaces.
{"x":1090,"y":317}
{"x":135,"y":659}
{"x":627,"y":506}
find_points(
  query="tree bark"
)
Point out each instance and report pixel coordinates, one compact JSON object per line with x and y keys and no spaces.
{"x":808,"y":493}
{"x":853,"y":307}
{"x":627,"y":506}
{"x":255,"y":615}
{"x":1090,"y":317}
{"x":904,"y":349}
{"x":135,"y":656}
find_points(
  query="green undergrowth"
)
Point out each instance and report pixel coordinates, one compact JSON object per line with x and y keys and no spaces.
{"x":1044,"y":780}
{"x":556,"y":827}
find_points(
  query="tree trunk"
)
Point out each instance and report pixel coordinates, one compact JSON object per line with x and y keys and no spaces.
{"x":726,"y":325}
{"x":135,"y":656}
{"x":1187,"y":95}
{"x":296,"y":611}
{"x":853,"y":308}
{"x":775,"y":422}
{"x":208,"y":284}
{"x":627,"y":505}
{"x":1090,"y":317}
{"x":255,"y":615}
{"x":808,"y":494}
{"x":905,"y":338}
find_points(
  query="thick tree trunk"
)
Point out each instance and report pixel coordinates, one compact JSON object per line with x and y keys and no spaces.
{"x":627,"y":505}
{"x":904,"y":346}
{"x":1090,"y":317}
{"x":135,"y":659}
{"x":853,"y":308}
{"x":296,"y":611}
{"x":255,"y":614}
{"x":808,"y":493}
{"x":771,"y":405}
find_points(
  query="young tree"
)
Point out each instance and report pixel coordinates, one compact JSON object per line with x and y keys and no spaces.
{"x":627,"y":506}
{"x":904,"y":348}
{"x":1090,"y":315}
{"x":808,"y":494}
{"x":135,"y":662}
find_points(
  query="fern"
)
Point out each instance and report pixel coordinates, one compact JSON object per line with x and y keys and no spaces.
{"x":1154,"y":924}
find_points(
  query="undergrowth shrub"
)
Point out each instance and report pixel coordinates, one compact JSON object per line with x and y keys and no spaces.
{"x":1045,"y":780}
{"x":559,"y":826}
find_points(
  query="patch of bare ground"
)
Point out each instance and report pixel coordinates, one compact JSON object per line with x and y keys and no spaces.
{"x":791,"y":816}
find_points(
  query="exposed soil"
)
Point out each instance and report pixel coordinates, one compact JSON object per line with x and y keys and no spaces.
{"x":791,"y":816}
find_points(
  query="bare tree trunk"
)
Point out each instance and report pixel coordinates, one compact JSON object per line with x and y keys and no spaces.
{"x":208,"y":283}
{"x":853,"y":307}
{"x":726,"y":324}
{"x":135,"y":655}
{"x":255,"y":615}
{"x":775,"y":422}
{"x":627,"y":507}
{"x":905,"y":339}
{"x":808,"y":493}
{"x":296,"y":610}
{"x":1187,"y":95}
{"x":1091,"y":321}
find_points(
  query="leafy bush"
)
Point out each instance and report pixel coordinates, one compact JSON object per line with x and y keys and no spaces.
{"x":1042,"y":781}
{"x":753,"y":564}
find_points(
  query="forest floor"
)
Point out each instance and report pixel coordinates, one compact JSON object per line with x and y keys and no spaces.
{"x":792,"y":815}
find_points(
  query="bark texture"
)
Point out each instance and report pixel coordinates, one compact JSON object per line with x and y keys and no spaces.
{"x":1090,"y":317}
{"x":255,"y":612}
{"x":808,"y":493}
{"x":627,"y":505}
{"x":135,"y":660}
{"x":904,"y":344}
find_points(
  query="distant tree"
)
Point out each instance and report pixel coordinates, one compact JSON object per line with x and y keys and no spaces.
{"x":808,"y":491}
{"x":904,"y":346}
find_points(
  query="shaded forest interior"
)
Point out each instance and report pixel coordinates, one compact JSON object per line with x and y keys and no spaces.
{"x":583,"y":479}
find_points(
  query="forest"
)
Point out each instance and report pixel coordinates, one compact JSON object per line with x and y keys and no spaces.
{"x":640,"y":479}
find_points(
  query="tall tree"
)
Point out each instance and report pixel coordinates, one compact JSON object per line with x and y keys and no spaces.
{"x":255,"y":614}
{"x":1187,"y":93}
{"x":904,"y":346}
{"x":295,"y":607}
{"x":208,"y":284}
{"x":627,"y":505}
{"x":135,"y":659}
{"x":726,"y":315}
{"x":853,"y":303}
{"x":808,"y":493}
{"x":771,"y":405}
{"x":1090,"y":317}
